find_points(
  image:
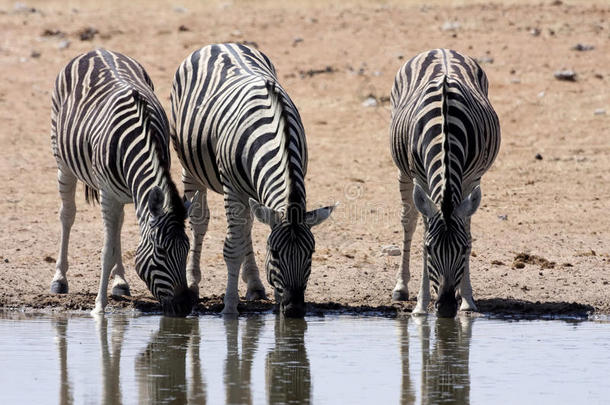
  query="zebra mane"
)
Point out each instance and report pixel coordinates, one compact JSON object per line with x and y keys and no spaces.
{"x":295,"y":211}
{"x":175,"y":203}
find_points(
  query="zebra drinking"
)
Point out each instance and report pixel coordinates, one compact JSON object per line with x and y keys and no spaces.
{"x":110,"y":132}
{"x":444,"y":136}
{"x":237,"y":132}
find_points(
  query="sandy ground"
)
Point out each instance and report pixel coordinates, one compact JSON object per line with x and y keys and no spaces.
{"x":549,"y":214}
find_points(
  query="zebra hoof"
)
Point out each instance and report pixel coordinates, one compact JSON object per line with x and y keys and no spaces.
{"x":59,"y":287}
{"x":254,"y":295}
{"x":121,"y":289}
{"x":399,"y":295}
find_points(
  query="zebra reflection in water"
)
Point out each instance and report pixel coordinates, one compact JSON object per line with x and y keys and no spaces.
{"x":237,"y":373}
{"x":161,"y":367}
{"x":445,"y":374}
{"x":65,"y":386}
{"x":287,"y":370}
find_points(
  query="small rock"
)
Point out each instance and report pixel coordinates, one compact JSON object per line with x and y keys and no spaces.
{"x":485,"y":60}
{"x":497,"y":263}
{"x":180,"y":9}
{"x":556,"y":3}
{"x":519,"y":265}
{"x":53,"y":33}
{"x":297,"y":41}
{"x":87,"y":34}
{"x":391,"y":250}
{"x":503,"y":217}
{"x":565,"y":75}
{"x":450,"y":26}
{"x":541,"y":94}
{"x":63,"y":44}
{"x":183,"y":28}
{"x":6,"y":260}
{"x":598,"y":76}
{"x":370,"y":101}
{"x":236,"y":33}
{"x":35,"y":54}
{"x":515,"y":80}
{"x":599,"y":111}
{"x":582,"y":47}
{"x":538,"y":156}
{"x":535,"y":32}
{"x":49,"y":259}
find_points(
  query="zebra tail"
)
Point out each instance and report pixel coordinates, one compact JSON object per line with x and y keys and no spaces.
{"x":91,"y":195}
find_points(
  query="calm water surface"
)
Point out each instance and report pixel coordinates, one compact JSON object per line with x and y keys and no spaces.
{"x":47,"y":359}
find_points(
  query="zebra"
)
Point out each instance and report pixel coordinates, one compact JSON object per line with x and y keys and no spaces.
{"x":236,"y":132}
{"x":110,"y":132}
{"x":444,"y":136}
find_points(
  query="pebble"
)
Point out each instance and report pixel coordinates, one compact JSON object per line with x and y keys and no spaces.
{"x":565,"y":75}
{"x":599,"y":111}
{"x":391,"y":250}
{"x":370,"y":102}
{"x":503,"y":217}
{"x":63,"y":44}
{"x":582,"y":47}
{"x":538,"y":156}
{"x":450,"y":26}
{"x":485,"y":59}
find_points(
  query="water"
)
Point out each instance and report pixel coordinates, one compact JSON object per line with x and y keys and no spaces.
{"x":323,"y":360}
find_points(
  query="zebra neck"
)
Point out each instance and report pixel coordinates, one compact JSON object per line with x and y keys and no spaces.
{"x":152,"y":173}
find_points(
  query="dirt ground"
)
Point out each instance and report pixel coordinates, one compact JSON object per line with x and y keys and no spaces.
{"x":540,"y":237}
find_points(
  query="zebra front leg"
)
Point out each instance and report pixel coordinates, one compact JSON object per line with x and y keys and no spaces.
{"x":465,"y":286}
{"x":235,"y":247}
{"x":111,"y":214}
{"x":423,"y":298}
{"x":119,"y":285}
{"x":249,"y":272}
{"x":199,"y":218}
{"x":409,"y":222}
{"x":67,"y":188}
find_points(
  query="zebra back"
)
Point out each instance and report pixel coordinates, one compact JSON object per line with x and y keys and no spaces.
{"x":233,"y":122}
{"x":444,"y":132}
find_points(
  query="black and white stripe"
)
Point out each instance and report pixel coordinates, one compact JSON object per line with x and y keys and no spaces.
{"x":237,"y":132}
{"x":444,"y":136}
{"x":110,"y":131}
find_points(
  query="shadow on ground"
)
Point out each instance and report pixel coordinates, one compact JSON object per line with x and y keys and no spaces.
{"x":505,"y":307}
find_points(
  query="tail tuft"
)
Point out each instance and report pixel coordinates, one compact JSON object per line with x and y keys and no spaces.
{"x":91,"y":195}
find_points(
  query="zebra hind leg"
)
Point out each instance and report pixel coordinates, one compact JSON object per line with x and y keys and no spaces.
{"x":199,"y":218}
{"x":67,"y":189}
{"x":119,"y":285}
{"x":409,"y":222}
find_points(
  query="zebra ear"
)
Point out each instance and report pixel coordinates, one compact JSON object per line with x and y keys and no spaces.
{"x":470,"y":204}
{"x":316,"y":217}
{"x":264,"y":214}
{"x":156,"y":199}
{"x":423,"y":203}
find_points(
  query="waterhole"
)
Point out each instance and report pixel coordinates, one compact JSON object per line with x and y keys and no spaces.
{"x":120,"y":358}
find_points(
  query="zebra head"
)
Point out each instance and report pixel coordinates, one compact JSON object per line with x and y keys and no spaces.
{"x":161,"y":255}
{"x":447,"y":246}
{"x":290,"y":247}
